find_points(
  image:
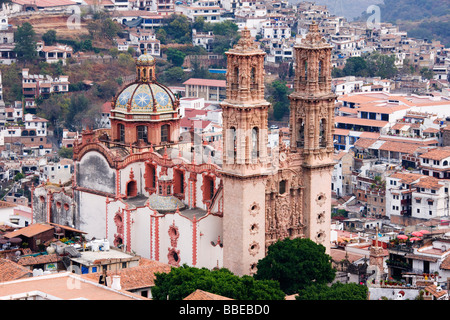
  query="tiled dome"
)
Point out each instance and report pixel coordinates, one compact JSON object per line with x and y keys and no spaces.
{"x":144,"y":97}
{"x":164,"y":203}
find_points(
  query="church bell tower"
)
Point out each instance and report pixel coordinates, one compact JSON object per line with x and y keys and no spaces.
{"x":311,"y":130}
{"x":245,"y":116}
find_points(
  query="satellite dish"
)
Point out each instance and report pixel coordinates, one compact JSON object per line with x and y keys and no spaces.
{"x":17,"y":253}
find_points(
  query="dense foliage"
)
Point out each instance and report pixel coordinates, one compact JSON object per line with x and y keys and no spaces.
{"x":374,"y":64}
{"x":25,"y":38}
{"x":296,"y":264}
{"x":182,"y":281}
{"x":278,"y":94}
{"x":393,"y":10}
{"x":337,"y":291}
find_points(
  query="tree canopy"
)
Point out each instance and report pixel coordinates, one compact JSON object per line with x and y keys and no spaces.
{"x":182,"y":281}
{"x":337,"y":291}
{"x":374,"y":64}
{"x":278,"y":96}
{"x":25,"y":38}
{"x":296,"y":264}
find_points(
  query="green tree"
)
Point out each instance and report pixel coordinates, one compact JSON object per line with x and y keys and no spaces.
{"x":12,"y":83}
{"x":427,"y":73}
{"x":355,"y":66}
{"x":19,"y":176}
{"x":114,"y":52}
{"x":49,"y":37}
{"x":296,"y":264}
{"x":380,"y":65}
{"x":66,"y":153}
{"x":54,"y":108}
{"x":278,"y":96}
{"x":182,"y":281}
{"x":175,"y":56}
{"x":177,"y":29}
{"x":175,"y":75}
{"x":337,"y":291}
{"x":25,"y":38}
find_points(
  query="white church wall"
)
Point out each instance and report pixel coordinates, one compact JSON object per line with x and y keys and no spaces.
{"x":141,"y":231}
{"x":94,"y":222}
{"x":209,"y":252}
{"x":94,"y":172}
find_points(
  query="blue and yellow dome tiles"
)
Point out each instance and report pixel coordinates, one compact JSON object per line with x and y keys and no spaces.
{"x":145,"y":95}
{"x":140,"y":97}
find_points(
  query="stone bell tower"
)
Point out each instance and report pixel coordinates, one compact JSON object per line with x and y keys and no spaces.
{"x":245,"y":115}
{"x":311,"y":129}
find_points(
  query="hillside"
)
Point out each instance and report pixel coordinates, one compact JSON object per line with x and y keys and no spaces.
{"x":424,"y":19}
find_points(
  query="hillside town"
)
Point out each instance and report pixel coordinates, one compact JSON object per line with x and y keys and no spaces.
{"x":389,"y":145}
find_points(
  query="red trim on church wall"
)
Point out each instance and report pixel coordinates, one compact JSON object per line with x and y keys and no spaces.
{"x":128,"y":231}
{"x":194,"y":241}
{"x":157,"y":238}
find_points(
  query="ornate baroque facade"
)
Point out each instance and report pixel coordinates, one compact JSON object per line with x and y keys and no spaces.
{"x":149,"y":190}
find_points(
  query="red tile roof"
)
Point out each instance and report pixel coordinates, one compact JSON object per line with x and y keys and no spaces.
{"x":436,"y":154}
{"x":142,"y":276}
{"x":204,"y":295}
{"x":29,"y":231}
{"x":9,"y":271}
{"x":361,"y":122}
{"x":206,"y":82}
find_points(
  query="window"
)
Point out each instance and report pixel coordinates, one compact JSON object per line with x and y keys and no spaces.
{"x":165,"y":133}
{"x":255,"y":143}
{"x":282,"y":187}
{"x":142,"y":133}
{"x":178,"y":185}
{"x":301,"y":135}
{"x":322,"y":134}
{"x":121,"y":129}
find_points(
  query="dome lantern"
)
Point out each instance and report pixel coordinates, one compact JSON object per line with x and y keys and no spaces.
{"x":145,"y":68}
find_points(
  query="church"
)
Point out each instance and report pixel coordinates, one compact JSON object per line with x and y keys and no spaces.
{"x":162,"y":195}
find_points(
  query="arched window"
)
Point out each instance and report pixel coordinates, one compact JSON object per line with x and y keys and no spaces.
{"x":235,"y":79}
{"x":253,"y":82}
{"x":322,"y":133}
{"x":131,"y":189}
{"x":121,"y":129}
{"x":208,"y":188}
{"x":301,"y":134}
{"x":306,"y":70}
{"x":232,"y":145}
{"x":282,"y":187}
{"x":142,"y":133}
{"x":165,"y":133}
{"x":255,"y":143}
{"x":150,"y":176}
{"x":178,"y":181}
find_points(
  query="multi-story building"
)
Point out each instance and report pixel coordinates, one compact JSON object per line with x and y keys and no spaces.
{"x":210,"y":10}
{"x":36,"y":85}
{"x":412,"y":198}
{"x":7,"y":53}
{"x":208,"y":89}
{"x":146,"y":42}
{"x":436,"y":163}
